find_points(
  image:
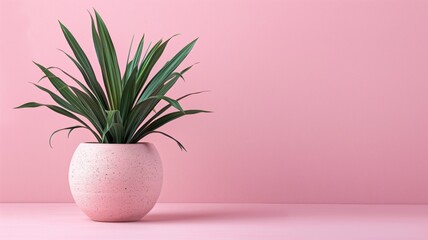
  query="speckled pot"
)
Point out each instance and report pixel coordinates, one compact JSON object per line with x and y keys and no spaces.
{"x":115,"y":182}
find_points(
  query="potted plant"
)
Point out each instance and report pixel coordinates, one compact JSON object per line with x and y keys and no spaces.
{"x":116,"y":178}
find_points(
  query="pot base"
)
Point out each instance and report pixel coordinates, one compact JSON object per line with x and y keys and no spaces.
{"x":114,"y":207}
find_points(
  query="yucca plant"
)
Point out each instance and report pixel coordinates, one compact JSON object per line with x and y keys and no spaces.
{"x":124,"y":111}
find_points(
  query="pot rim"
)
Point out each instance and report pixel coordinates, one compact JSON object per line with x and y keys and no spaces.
{"x":116,"y":144}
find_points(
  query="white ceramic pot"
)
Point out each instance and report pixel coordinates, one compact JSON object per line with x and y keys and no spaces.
{"x":115,"y":182}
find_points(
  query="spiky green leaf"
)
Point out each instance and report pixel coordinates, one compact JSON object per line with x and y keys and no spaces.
{"x":70,"y":129}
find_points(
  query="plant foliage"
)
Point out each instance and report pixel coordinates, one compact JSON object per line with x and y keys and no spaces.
{"x":124,"y":110}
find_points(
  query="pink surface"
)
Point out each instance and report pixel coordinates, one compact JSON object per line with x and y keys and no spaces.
{"x":315,"y":101}
{"x":222,"y":221}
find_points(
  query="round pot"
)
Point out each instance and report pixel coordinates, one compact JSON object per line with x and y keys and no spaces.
{"x":115,"y":182}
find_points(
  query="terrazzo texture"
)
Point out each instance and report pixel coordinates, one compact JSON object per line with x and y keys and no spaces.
{"x":115,"y":182}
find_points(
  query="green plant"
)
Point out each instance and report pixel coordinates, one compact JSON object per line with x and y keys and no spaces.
{"x":125,"y":111}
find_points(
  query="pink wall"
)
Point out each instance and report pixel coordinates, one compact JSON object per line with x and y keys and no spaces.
{"x":315,"y":101}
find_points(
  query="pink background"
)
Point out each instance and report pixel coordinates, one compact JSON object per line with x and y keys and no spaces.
{"x":314,"y":101}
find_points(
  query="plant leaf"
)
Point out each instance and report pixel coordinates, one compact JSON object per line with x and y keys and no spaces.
{"x":90,"y":109}
{"x":63,"y":129}
{"x":121,"y":110}
{"x":89,"y":92}
{"x":128,"y":99}
{"x":142,"y":110}
{"x":115,"y":125}
{"x":62,"y":88}
{"x":163,"y":74}
{"x":111,"y":72}
{"x":158,"y":113}
{"x":134,"y":63}
{"x":84,"y":65}
{"x":58,"y":99}
{"x":162,"y":121}
{"x":178,"y":143}
{"x":171,"y":101}
{"x":61,"y":111}
{"x":125,"y":74}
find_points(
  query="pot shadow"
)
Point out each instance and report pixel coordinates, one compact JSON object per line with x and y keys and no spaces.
{"x":213,"y":215}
